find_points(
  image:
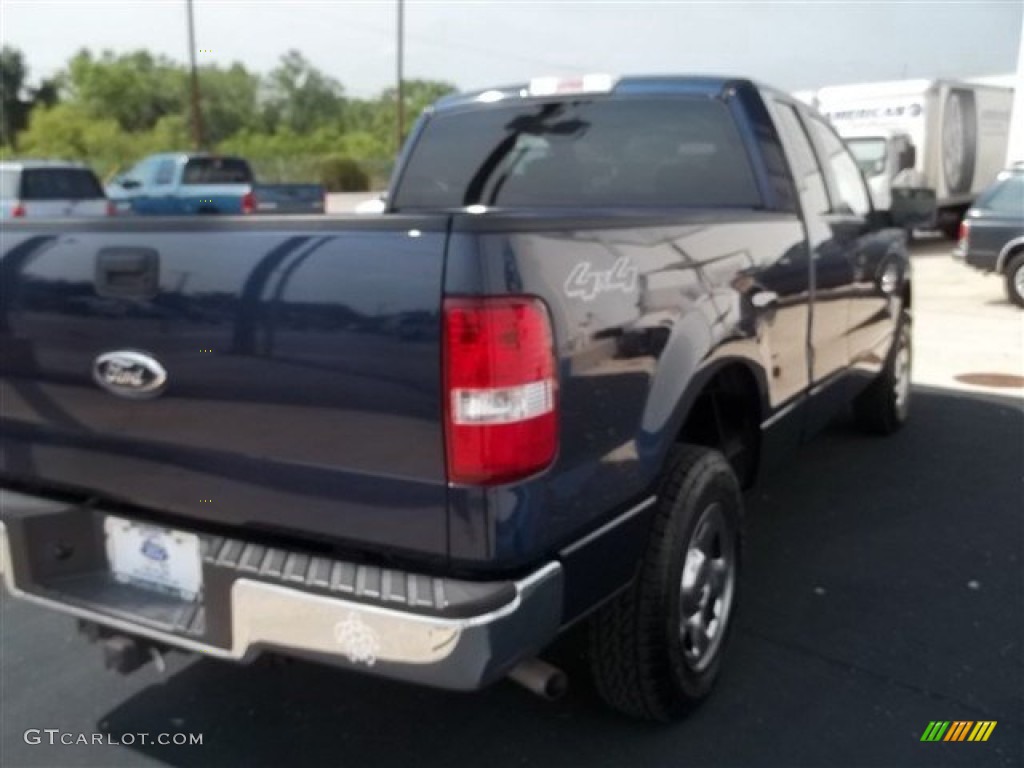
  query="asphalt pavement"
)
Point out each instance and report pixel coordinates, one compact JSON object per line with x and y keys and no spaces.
{"x":883,"y":588}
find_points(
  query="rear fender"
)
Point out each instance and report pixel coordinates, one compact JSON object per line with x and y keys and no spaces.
{"x":683,"y":374}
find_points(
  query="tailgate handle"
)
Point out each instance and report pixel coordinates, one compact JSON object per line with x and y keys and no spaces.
{"x":128,"y":273}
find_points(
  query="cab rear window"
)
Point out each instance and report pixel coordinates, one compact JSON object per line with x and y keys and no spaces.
{"x":59,"y":184}
{"x":216,"y":170}
{"x":1006,"y":196}
{"x":636,"y":152}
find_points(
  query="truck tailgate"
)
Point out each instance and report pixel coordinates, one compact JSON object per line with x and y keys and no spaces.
{"x":289,"y":198}
{"x":302,"y":363}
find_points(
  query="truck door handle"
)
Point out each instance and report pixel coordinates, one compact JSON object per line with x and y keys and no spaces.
{"x":127,"y":273}
{"x":765,"y":299}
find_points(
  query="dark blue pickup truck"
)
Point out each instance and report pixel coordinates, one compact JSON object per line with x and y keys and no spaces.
{"x":424,"y":443}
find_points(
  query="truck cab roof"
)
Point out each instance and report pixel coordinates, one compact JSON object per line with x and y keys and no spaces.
{"x":594,"y":84}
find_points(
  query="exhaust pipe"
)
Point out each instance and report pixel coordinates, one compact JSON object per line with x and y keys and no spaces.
{"x":540,"y":678}
{"x":124,"y":653}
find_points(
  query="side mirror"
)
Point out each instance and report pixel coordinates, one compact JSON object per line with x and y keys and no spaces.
{"x":908,"y":158}
{"x":128,"y":183}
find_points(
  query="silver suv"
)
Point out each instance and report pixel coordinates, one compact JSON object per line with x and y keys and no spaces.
{"x":50,"y":189}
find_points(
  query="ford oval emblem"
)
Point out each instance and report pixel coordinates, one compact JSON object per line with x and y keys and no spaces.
{"x":131,"y":374}
{"x":154,"y":551}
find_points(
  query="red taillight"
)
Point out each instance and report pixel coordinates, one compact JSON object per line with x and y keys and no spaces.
{"x":501,"y":417}
{"x":248,"y":203}
{"x":111,"y":209}
{"x":965,"y":231}
{"x":18,"y":212}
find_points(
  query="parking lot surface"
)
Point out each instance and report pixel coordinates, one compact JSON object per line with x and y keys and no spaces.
{"x":882,"y":590}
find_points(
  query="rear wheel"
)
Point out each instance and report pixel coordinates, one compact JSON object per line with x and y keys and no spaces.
{"x":656,"y":649}
{"x":883,"y":407}
{"x":1015,"y":280}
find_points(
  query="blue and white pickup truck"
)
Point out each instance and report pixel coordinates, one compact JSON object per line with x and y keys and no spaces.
{"x":423,"y":444}
{"x":180,"y":184}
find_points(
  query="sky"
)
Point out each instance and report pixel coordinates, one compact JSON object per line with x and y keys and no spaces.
{"x":478,"y":43}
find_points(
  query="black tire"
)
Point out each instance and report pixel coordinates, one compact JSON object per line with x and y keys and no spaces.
{"x":642,"y":664}
{"x":1015,"y":280}
{"x":884,"y":406}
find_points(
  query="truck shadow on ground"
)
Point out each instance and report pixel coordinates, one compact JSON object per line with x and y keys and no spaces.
{"x":882,"y":589}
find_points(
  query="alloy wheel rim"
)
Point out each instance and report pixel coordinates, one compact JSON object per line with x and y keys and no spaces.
{"x":707,"y":587}
{"x":1018,"y":280}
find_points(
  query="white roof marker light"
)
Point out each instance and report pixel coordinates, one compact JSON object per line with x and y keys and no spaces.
{"x":489,"y":97}
{"x":553,"y":86}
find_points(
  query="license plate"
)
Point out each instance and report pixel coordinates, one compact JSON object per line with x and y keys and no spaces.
{"x":154,"y":558}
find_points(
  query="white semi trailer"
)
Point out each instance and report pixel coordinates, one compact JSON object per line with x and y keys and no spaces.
{"x":927,"y":147}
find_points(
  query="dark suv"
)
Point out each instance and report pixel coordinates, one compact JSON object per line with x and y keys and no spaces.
{"x":992,"y":232}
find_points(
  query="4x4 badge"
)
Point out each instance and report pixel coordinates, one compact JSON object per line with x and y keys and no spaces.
{"x":585,"y":282}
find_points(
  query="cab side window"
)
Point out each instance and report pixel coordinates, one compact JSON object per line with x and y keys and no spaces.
{"x":850,"y":194}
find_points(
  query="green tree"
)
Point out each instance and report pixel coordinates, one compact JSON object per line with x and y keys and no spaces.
{"x":135,"y":89}
{"x":47,"y":93}
{"x":17,"y":98}
{"x":110,"y":109}
{"x":301,"y":98}
{"x":13,"y":73}
{"x":230,"y":100}
{"x":68,"y":131}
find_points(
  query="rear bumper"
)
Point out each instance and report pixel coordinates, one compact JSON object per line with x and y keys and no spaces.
{"x":983,"y":262}
{"x":438,"y":632}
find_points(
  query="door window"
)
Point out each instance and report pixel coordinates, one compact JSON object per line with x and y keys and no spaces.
{"x":141,"y":172}
{"x":850,"y":194}
{"x":164,"y":173}
{"x":806,"y":170}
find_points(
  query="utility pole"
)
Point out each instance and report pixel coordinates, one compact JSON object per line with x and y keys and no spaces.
{"x":197,"y":117}
{"x":400,"y":95}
